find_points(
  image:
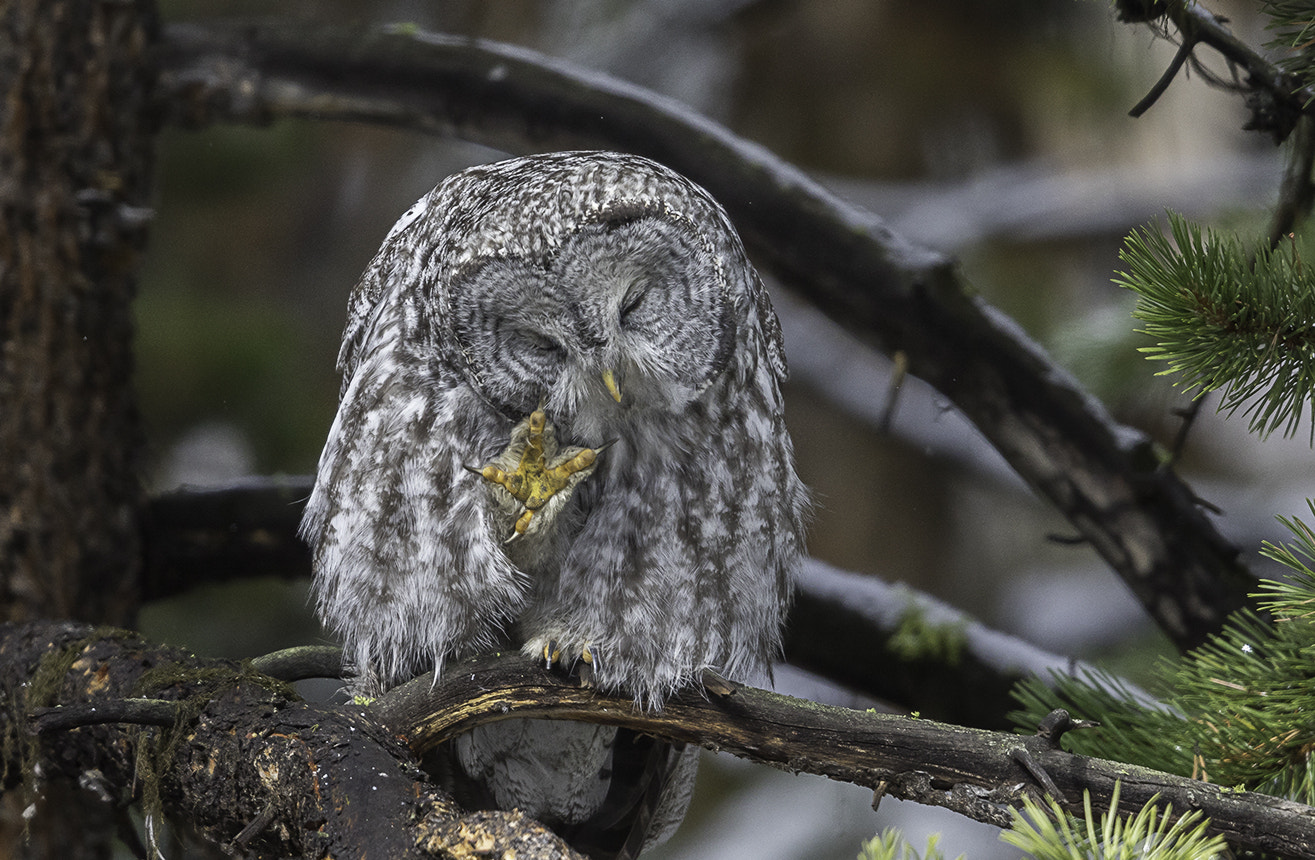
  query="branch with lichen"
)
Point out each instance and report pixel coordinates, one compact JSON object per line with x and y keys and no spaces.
{"x":255,"y":768}
{"x":920,"y":653}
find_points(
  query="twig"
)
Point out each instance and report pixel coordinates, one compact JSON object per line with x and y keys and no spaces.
{"x":144,"y":712}
{"x":301,"y":662}
{"x":252,"y":830}
{"x":1184,"y":51}
{"x":898,"y":372}
{"x":1188,"y":414}
{"x":977,"y":773}
{"x":1038,"y":773}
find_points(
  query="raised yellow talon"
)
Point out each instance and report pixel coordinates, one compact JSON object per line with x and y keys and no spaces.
{"x":524,"y":522}
{"x":533,"y":482}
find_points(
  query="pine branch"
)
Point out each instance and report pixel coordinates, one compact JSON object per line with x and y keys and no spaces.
{"x":1237,"y":709}
{"x":1292,"y":599}
{"x":1275,"y":96}
{"x":1154,"y":833}
{"x":1226,"y":319}
{"x":1293,"y":24}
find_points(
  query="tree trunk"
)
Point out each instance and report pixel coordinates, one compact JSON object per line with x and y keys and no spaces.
{"x":76,"y":145}
{"x":77,"y":126}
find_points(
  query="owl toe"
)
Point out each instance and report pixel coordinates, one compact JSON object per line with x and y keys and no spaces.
{"x":580,"y":663}
{"x":552,"y":653}
{"x":586,"y":669}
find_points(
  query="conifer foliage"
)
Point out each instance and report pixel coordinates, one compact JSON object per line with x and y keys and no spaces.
{"x":1239,"y":319}
{"x":1235,"y":711}
{"x":1227,"y":318}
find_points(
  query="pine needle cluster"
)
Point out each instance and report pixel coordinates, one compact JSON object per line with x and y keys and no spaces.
{"x":1293,"y":25}
{"x":1225,"y":317}
{"x":890,"y":844}
{"x":1236,"y":711}
{"x":1049,"y":833}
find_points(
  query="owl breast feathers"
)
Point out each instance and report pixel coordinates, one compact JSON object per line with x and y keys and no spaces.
{"x":611,"y":297}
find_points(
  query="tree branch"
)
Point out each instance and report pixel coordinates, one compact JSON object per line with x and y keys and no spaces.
{"x":253,"y":763}
{"x":902,"y":646}
{"x":1297,"y":191}
{"x":241,"y":758}
{"x":899,"y":297}
{"x":1283,"y":98}
{"x":976,"y":773}
{"x":1275,"y":98}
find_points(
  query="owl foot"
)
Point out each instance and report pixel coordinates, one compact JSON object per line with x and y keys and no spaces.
{"x":535,"y":471}
{"x":583,"y":667}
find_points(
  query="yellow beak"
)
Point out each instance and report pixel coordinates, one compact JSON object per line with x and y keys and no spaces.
{"x":610,"y":381}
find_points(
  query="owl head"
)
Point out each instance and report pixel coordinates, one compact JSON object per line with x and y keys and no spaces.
{"x":595,"y":285}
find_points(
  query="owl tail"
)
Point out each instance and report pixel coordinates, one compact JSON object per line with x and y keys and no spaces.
{"x":650,"y":790}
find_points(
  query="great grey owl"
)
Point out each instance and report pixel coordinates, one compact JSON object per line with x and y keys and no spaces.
{"x":588,"y":320}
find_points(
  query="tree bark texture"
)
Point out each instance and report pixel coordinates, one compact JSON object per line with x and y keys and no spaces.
{"x":76,"y":144}
{"x":238,"y":755}
{"x":234,"y":753}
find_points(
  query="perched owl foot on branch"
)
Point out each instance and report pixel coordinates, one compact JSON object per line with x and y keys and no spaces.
{"x":582,"y":664}
{"x":533,"y":476}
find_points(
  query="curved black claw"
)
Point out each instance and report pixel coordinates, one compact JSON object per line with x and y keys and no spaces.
{"x":582,"y":666}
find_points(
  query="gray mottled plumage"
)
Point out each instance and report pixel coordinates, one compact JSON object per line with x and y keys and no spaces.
{"x":514,"y":286}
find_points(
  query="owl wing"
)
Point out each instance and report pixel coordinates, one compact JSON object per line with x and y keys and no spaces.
{"x":769,"y":325}
{"x":407,"y":569}
{"x":395,"y":263}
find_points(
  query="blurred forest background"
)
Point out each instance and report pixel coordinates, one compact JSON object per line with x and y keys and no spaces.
{"x":995,"y":131}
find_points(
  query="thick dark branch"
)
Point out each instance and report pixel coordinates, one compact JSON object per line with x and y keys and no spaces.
{"x":902,"y":646}
{"x":897,"y":296}
{"x":1297,"y":193}
{"x":915,"y":652}
{"x":142,"y":712}
{"x":301,"y":662}
{"x":976,"y":773}
{"x":248,"y":764}
{"x":254,"y":764}
{"x":240,"y":531}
